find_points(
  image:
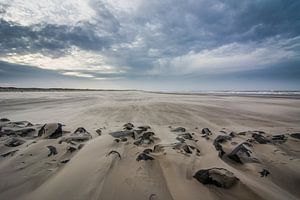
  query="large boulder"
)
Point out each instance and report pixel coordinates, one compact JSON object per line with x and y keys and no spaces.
{"x":219,"y":177}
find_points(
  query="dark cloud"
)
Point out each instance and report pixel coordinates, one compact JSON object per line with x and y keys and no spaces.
{"x":169,"y":29}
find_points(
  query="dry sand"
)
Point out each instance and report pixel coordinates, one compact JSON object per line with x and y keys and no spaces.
{"x":93,"y":174}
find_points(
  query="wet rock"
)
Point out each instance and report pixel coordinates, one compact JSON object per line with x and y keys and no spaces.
{"x":14,"y":142}
{"x":216,"y":176}
{"x":128,"y":126}
{"x":52,"y":150}
{"x":51,"y":131}
{"x":264,"y":173}
{"x":295,"y":135}
{"x":114,"y":152}
{"x":10,"y":153}
{"x":241,"y":154}
{"x":260,"y":138}
{"x":144,"y":156}
{"x":119,"y":134}
{"x":178,"y":129}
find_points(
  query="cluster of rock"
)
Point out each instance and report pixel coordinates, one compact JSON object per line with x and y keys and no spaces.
{"x":15,"y":134}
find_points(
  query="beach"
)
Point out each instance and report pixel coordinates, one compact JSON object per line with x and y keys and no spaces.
{"x":144,"y":145}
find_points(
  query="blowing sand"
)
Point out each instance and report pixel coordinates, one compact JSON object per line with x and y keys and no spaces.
{"x":165,"y":152}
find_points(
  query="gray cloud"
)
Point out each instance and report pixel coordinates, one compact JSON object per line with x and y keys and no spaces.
{"x":165,"y":38}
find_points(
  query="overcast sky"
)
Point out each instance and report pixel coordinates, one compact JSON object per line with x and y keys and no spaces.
{"x":183,"y":45}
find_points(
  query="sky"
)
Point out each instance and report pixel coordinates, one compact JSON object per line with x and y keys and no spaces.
{"x":169,"y":45}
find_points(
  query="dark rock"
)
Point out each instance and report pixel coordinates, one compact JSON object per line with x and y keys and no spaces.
{"x":119,"y":134}
{"x":217,"y":143}
{"x":4,"y":120}
{"x":295,"y":135}
{"x":80,"y":131}
{"x":178,"y":129}
{"x":71,"y":149}
{"x":117,"y":140}
{"x":232,"y":134}
{"x":99,"y":131}
{"x":10,"y":153}
{"x":147,"y":151}
{"x":264,"y":173}
{"x":278,"y":137}
{"x":206,"y":131}
{"x":260,"y":138}
{"x":123,"y":139}
{"x":128,"y":126}
{"x":65,"y":161}
{"x":52,"y":150}
{"x":240,"y":153}
{"x":216,"y":176}
{"x":144,"y":128}
{"x":180,"y":139}
{"x":80,"y":146}
{"x":51,"y":130}
{"x":14,"y":142}
{"x":25,"y":132}
{"x":187,"y":136}
{"x":146,"y":138}
{"x":144,"y":156}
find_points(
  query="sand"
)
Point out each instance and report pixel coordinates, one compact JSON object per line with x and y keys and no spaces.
{"x":90,"y":173}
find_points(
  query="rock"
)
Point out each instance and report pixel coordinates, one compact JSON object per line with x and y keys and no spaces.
{"x":119,"y":134}
{"x":79,"y":135}
{"x":206,"y":131}
{"x":114,"y":152}
{"x":184,"y":148}
{"x":217,"y":143}
{"x":144,"y":128}
{"x":71,"y":149}
{"x":264,"y":173}
{"x":4,"y":120}
{"x":117,"y":140}
{"x":80,"y":146}
{"x":232,"y":134}
{"x":187,"y":136}
{"x":51,"y":131}
{"x":14,"y":142}
{"x":278,"y":137}
{"x":216,"y":176}
{"x":295,"y":135}
{"x":180,"y":139}
{"x":99,"y":131}
{"x":178,"y":129}
{"x":260,"y":138}
{"x":146,"y":138}
{"x":65,"y":161}
{"x":124,"y":139}
{"x":52,"y":150}
{"x":147,"y":151}
{"x":242,"y":133}
{"x":144,"y":156}
{"x":241,"y":154}
{"x":128,"y":126}
{"x":10,"y":153}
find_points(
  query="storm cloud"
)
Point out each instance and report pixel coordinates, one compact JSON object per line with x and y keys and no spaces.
{"x":141,"y":42}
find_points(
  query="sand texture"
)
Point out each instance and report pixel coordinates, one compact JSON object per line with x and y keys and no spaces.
{"x":134,"y":145}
